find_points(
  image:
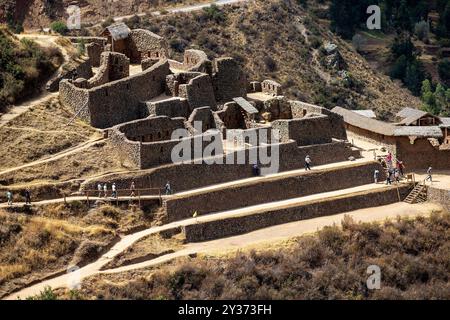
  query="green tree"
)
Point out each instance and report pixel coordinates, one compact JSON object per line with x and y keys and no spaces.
{"x":440,"y":98}
{"x":428,"y":101}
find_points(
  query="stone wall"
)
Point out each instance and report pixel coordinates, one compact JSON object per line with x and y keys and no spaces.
{"x":439,"y":196}
{"x":149,"y":142}
{"x":119,"y":101}
{"x":269,"y":190}
{"x":235,"y":225}
{"x":150,"y":129}
{"x":196,"y":60}
{"x":252,"y":136}
{"x":203,"y":115}
{"x":278,"y":107}
{"x":232,"y":116}
{"x":172,"y":107}
{"x":82,"y":69}
{"x":87,"y":40}
{"x":337,"y":125}
{"x":94,"y":51}
{"x":421,"y":154}
{"x":198,"y":92}
{"x":113,"y":66}
{"x":160,"y":152}
{"x":143,"y":44}
{"x":271,"y":87}
{"x":229,"y":81}
{"x":306,"y":131}
{"x":190,"y":176}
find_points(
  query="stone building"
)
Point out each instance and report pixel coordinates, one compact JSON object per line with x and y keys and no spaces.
{"x":418,"y":146}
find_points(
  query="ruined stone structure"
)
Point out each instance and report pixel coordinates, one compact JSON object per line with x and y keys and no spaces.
{"x":142,"y":110}
{"x":113,"y":66}
{"x":149,"y":142}
{"x":118,"y":101}
{"x":94,"y":51}
{"x":271,"y":87}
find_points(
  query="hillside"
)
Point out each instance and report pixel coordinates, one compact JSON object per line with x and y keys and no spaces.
{"x":283,"y":41}
{"x":39,"y":13}
{"x":413,"y":254}
{"x":24,"y":67}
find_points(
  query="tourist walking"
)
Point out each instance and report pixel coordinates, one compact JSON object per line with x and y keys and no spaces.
{"x":133,"y":189}
{"x":397,"y":175}
{"x":99,"y":188}
{"x":389,"y":160}
{"x":9,"y":196}
{"x":114,"y":190}
{"x":28,"y":196}
{"x":308,"y":163}
{"x":429,"y":176}
{"x":376,"y":174}
{"x":167,"y":188}
{"x":256,"y":171}
{"x":400,"y":167}
{"x":388,"y":177}
{"x":105,"y":190}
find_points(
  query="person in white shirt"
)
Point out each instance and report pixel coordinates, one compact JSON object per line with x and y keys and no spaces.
{"x":105,"y":190}
{"x":114,"y":191}
{"x":307,"y":163}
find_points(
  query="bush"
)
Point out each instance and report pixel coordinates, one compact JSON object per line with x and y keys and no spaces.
{"x":109,"y":21}
{"x":270,"y":64}
{"x":59,"y":27}
{"x":214,"y":13}
{"x":422,"y":30}
{"x":444,"y":71}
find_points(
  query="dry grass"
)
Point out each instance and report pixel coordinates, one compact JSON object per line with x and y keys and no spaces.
{"x":32,"y":247}
{"x":147,"y":248}
{"x":39,"y":132}
{"x":53,"y":237}
{"x":414,"y":257}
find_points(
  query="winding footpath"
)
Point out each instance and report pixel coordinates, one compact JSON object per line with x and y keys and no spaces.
{"x":256,"y":238}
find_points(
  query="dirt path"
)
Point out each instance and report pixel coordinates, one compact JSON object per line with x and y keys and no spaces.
{"x":189,"y":8}
{"x":257,"y":237}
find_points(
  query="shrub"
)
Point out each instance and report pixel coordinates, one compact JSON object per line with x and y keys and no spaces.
{"x":109,"y":21}
{"x":59,"y":27}
{"x":270,"y":64}
{"x":444,"y":71}
{"x":422,"y":30}
{"x":213,"y":12}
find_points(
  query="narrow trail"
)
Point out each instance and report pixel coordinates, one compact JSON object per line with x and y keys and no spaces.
{"x":261,"y":236}
{"x":189,"y":8}
{"x":82,"y":146}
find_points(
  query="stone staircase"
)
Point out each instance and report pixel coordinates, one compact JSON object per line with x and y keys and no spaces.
{"x":417,"y":195}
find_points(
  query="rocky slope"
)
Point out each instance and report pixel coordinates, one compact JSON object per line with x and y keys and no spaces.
{"x":34,"y":14}
{"x":283,"y":41}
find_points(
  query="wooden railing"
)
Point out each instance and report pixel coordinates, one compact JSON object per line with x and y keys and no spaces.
{"x":124,"y":193}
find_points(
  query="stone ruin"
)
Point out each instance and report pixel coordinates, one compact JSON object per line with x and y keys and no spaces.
{"x":140,"y":111}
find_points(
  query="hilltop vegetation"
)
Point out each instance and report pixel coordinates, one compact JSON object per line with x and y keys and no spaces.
{"x":413,"y":255}
{"x":23,"y":67}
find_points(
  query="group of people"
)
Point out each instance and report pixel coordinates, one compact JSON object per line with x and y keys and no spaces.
{"x":103,"y":190}
{"x":27,"y":196}
{"x":397,"y":172}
